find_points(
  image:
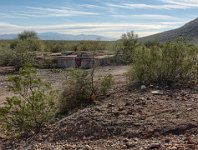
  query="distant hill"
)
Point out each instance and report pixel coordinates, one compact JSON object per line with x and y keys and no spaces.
{"x":189,"y":32}
{"x":58,"y":36}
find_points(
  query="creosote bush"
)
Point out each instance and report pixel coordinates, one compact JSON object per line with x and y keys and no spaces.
{"x":77,"y":90}
{"x":6,"y":56}
{"x":173,"y":63}
{"x":105,"y":84}
{"x":32,"y":105}
{"x":125,"y":48}
{"x":81,"y":90}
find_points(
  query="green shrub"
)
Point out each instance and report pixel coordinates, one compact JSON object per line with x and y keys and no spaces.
{"x":6,"y":56}
{"x":170,"y":63}
{"x":46,"y":63}
{"x":105,"y":84}
{"x":24,"y":54}
{"x":81,"y":89}
{"x":77,"y":90}
{"x":125,"y":48}
{"x":32,"y":105}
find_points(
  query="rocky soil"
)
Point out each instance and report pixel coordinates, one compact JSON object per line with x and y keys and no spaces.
{"x":125,"y":119}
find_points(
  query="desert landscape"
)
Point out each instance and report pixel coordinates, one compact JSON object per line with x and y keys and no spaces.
{"x":99,"y":75}
{"x":125,"y":119}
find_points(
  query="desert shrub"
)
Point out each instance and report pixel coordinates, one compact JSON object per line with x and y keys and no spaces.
{"x":170,"y":63}
{"x":46,"y":63}
{"x":105,"y":84}
{"x":81,"y":89}
{"x":6,"y":56}
{"x":32,"y":105}
{"x":25,"y":47}
{"x":125,"y":48}
{"x":24,"y":54}
{"x":77,"y":89}
{"x":27,"y":35}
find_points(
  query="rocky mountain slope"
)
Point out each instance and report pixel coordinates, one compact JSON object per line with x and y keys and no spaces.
{"x":189,"y":32}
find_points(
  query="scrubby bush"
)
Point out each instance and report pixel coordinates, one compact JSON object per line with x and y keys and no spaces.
{"x":6,"y":56}
{"x":168,"y":64}
{"x":81,"y":89}
{"x":25,"y":47}
{"x":77,"y":90}
{"x":125,"y":48}
{"x":45,"y":63}
{"x":105,"y":84}
{"x":32,"y":105}
{"x":25,"y":35}
{"x":23,"y":55}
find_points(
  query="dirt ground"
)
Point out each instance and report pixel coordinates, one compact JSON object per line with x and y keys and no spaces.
{"x":125,"y":119}
{"x":56,"y":77}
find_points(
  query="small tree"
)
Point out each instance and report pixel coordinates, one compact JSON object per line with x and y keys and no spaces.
{"x":32,"y":106}
{"x":125,"y":48}
{"x":27,"y":35}
{"x":25,"y":47}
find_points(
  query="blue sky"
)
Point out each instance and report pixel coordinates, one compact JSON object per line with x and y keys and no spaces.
{"x":109,"y":18}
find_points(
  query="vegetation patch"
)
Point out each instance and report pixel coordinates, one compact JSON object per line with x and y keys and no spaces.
{"x":33,"y":105}
{"x":168,"y":64}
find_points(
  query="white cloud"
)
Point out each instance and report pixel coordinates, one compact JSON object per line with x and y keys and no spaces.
{"x":92,"y":28}
{"x":90,"y":6}
{"x":148,"y":16}
{"x":58,"y":12}
{"x":184,"y":3}
{"x":39,"y":12}
{"x":167,"y":4}
{"x":146,"y":6}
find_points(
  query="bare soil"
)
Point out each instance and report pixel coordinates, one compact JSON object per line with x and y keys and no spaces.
{"x":125,"y":119}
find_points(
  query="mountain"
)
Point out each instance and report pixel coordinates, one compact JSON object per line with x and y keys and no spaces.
{"x":8,"y":36}
{"x":189,"y":32}
{"x":59,"y":36}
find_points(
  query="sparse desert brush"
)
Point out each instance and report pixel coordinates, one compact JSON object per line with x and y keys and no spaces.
{"x":80,"y":88}
{"x":77,"y":89}
{"x":105,"y":84}
{"x":32,"y":105}
{"x":6,"y":56}
{"x":125,"y":48}
{"x":167,"y":64}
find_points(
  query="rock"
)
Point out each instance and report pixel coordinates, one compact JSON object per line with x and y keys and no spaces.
{"x":157,"y":92}
{"x":130,"y":144}
{"x":68,"y":146}
{"x":151,"y":85}
{"x":173,"y":148}
{"x":148,"y":98}
{"x":129,"y":112}
{"x":125,"y":140}
{"x":120,"y":108}
{"x":116,"y":114}
{"x":189,"y":109}
{"x":143,"y":87}
{"x":192,"y":146}
{"x":127,"y":104}
{"x":110,"y":105}
{"x":153,"y":146}
{"x":87,"y":147}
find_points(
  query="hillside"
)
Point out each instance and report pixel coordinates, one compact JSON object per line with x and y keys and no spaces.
{"x":189,"y":32}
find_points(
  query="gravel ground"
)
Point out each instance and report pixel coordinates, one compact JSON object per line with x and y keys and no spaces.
{"x":125,"y":119}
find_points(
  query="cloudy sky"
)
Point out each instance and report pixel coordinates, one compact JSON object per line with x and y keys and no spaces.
{"x":109,"y":18}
